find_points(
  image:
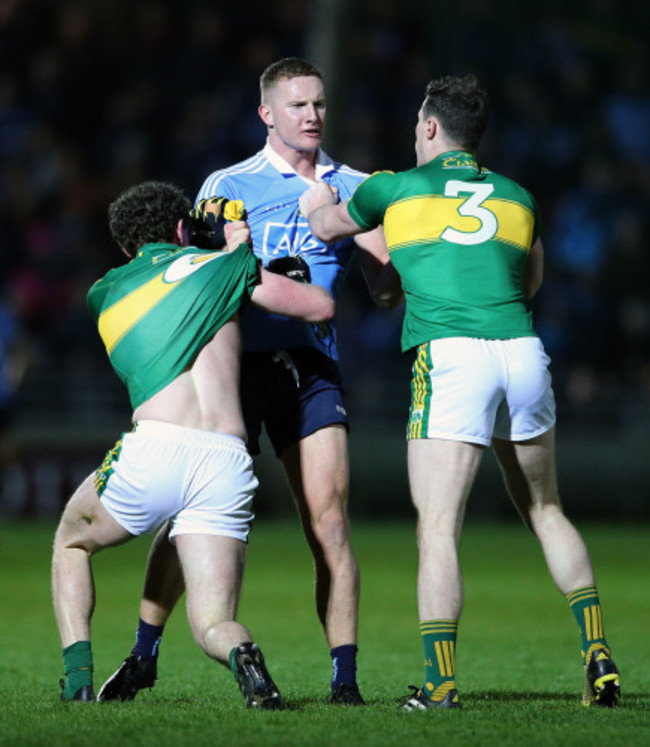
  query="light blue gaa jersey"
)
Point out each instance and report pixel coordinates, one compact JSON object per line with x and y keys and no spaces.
{"x":270,"y":189}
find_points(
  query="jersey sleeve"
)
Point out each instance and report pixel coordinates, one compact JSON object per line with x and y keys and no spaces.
{"x":370,"y":200}
{"x":243,"y":257}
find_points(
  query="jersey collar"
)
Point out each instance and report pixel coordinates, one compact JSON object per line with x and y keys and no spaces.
{"x":324,"y":164}
{"x":158,"y":246}
{"x":457,"y":159}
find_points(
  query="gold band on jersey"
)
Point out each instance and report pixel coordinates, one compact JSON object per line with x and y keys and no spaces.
{"x":423,"y":219}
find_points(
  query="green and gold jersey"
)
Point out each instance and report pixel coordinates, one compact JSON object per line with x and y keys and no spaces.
{"x":157,"y":312}
{"x":459,"y":236}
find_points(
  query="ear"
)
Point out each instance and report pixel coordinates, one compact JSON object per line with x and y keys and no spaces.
{"x":265,"y":115}
{"x":181,"y":233}
{"x":431,"y":128}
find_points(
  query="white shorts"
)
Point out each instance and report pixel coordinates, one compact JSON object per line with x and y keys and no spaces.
{"x":203,"y":481}
{"x":466,"y":389}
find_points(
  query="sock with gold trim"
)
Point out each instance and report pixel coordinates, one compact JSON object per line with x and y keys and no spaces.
{"x":78,"y":668}
{"x":585,"y":604}
{"x":439,"y":640}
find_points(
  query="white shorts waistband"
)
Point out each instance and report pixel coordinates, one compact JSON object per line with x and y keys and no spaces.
{"x":183,"y":434}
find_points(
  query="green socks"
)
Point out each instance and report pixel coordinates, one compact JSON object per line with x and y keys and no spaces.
{"x":439,"y":640}
{"x":78,"y":668}
{"x":585,"y":605}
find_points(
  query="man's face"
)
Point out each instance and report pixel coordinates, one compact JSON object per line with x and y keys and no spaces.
{"x":294,"y":111}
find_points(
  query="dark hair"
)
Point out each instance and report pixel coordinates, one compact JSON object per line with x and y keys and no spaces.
{"x":285,"y":69}
{"x":461,"y":106}
{"x":146,"y":213}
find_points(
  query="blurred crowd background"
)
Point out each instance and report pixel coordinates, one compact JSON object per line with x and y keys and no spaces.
{"x":95,"y":96}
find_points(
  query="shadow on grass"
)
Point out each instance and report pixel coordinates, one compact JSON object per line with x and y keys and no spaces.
{"x":506,"y":696}
{"x":470,"y":701}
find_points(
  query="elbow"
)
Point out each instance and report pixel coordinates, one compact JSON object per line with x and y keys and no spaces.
{"x":387,"y":291}
{"x":324,"y":311}
{"x":321,"y":230}
{"x":322,"y":235}
{"x":329,"y":310}
{"x":388,"y":299}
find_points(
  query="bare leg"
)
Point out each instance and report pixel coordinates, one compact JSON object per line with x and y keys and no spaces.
{"x":441,"y":474}
{"x":163,"y":586}
{"x":213,"y":569}
{"x":529,"y":471}
{"x":318,"y":473}
{"x":85,"y":528}
{"x":530,"y":474}
{"x":163,"y":582}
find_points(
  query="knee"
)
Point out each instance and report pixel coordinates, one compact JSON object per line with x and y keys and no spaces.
{"x":75,"y":536}
{"x":436,"y":521}
{"x":203,"y":627}
{"x":207,"y":615}
{"x":65,"y":537}
{"x":331,"y":528}
{"x":544,"y":517}
{"x":64,"y":547}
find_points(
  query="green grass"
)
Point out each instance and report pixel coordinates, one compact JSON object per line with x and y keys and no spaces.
{"x":517,"y":667}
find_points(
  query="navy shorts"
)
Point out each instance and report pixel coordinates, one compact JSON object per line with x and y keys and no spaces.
{"x":293,"y":392}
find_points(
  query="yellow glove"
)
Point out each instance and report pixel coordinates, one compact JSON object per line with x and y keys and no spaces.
{"x":205,"y":222}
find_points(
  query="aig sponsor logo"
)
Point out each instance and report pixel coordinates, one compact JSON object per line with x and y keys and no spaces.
{"x":289,"y":238}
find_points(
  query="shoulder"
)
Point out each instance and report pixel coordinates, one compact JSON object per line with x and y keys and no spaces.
{"x":384,"y":175}
{"x":510,"y":188}
{"x":342,"y":174}
{"x":237,"y":174}
{"x":347,"y":171}
{"x":379,"y":180}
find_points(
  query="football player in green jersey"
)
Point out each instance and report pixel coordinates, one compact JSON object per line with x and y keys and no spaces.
{"x":168,"y":319}
{"x":465,"y":242}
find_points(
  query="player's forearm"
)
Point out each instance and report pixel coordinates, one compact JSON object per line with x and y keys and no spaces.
{"x":310,"y":303}
{"x":320,"y":306}
{"x":382,"y":279}
{"x":329,"y":220}
{"x":279,"y":295}
{"x":324,"y":224}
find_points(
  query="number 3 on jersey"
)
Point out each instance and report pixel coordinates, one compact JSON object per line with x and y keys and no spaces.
{"x":471,"y":207}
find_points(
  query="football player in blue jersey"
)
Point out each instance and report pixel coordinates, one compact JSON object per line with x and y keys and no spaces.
{"x":290,"y":375}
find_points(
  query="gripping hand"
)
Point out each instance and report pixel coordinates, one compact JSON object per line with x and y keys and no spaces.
{"x":205,"y":223}
{"x":294,"y":268}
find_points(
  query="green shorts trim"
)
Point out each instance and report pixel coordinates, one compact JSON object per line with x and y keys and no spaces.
{"x":105,"y":470}
{"x":421,"y":389}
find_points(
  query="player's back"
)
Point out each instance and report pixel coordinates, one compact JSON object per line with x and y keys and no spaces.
{"x":157,"y":312}
{"x":459,"y":236}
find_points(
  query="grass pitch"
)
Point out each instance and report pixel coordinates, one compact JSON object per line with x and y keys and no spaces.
{"x":518,"y":667}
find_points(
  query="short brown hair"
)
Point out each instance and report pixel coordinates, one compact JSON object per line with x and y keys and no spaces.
{"x":461,"y":106}
{"x":285,"y":69}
